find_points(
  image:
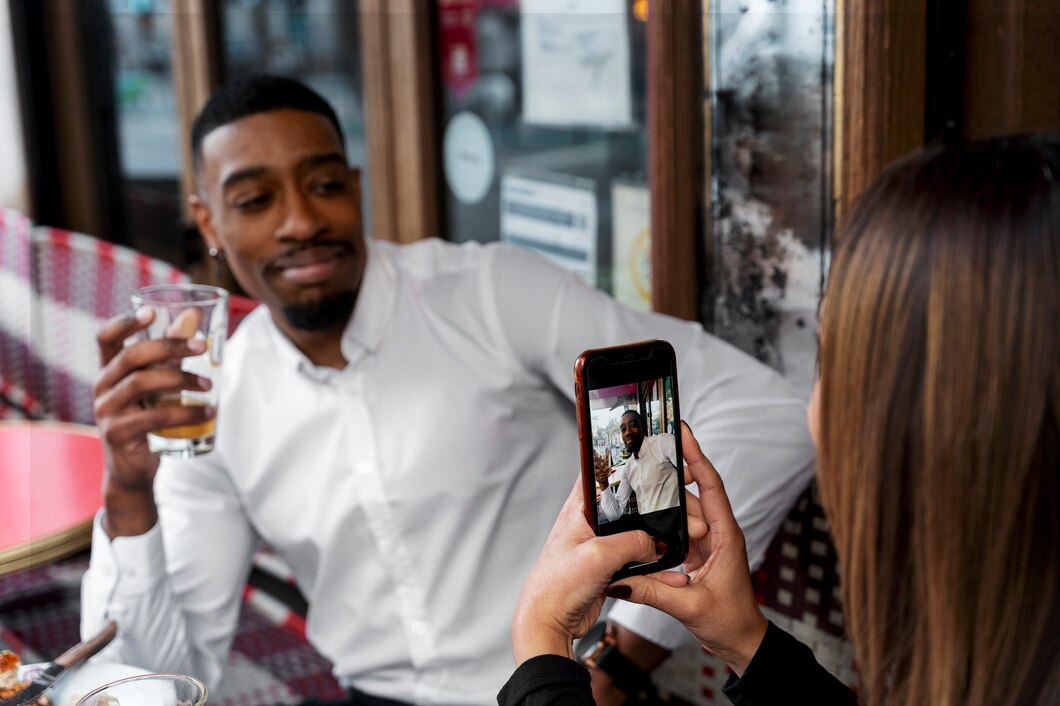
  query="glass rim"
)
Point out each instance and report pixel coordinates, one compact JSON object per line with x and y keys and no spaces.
{"x":144,"y":295}
{"x":144,"y":677}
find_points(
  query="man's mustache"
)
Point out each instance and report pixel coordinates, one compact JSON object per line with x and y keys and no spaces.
{"x":291,"y":255}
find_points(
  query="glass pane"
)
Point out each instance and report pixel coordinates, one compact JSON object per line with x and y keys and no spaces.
{"x":148,"y":131}
{"x":544,"y":142}
{"x":771,"y":101}
{"x":318,"y":43}
{"x":149,"y":135}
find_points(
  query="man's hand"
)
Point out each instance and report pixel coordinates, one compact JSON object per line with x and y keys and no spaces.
{"x":643,"y":653}
{"x":131,"y":376}
{"x":602,"y":470}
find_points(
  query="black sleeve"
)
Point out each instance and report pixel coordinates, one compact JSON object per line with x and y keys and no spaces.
{"x":548,"y":680}
{"x":784,"y":671}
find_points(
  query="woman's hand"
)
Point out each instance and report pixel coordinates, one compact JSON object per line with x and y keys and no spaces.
{"x":564,"y":592}
{"x":716,"y":603}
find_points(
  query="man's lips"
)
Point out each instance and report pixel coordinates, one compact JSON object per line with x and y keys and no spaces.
{"x":312,"y":264}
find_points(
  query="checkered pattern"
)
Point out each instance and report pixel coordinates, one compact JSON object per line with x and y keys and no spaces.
{"x":16,"y":293}
{"x":58,"y":287}
{"x":270,"y":663}
{"x":79,"y":283}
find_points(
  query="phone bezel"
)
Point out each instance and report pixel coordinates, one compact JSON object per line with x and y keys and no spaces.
{"x":617,"y":365}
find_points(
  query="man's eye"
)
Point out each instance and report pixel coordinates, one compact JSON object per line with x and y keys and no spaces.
{"x":329,"y":186}
{"x":253,"y":203}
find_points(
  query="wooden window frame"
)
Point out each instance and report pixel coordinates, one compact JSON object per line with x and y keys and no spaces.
{"x":880,"y":77}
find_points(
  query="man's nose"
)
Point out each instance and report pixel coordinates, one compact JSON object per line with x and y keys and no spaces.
{"x":301,"y":219}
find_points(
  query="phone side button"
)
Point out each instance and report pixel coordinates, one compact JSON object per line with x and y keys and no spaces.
{"x":578,"y":407}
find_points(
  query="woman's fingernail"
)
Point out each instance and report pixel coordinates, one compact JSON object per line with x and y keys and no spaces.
{"x":660,"y":546}
{"x":620,"y":592}
{"x":143,"y":314}
{"x":196,"y":345}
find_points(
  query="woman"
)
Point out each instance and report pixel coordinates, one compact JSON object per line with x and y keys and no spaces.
{"x":937,"y":421}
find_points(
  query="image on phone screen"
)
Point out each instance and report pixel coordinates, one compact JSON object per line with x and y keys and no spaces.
{"x":636,"y":457}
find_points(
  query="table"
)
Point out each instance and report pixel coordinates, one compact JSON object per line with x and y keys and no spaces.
{"x":50,"y":489}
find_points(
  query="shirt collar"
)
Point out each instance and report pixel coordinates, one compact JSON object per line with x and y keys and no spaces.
{"x":375,"y":302}
{"x":367,"y":324}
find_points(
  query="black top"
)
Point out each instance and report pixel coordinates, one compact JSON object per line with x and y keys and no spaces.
{"x":783,"y":671}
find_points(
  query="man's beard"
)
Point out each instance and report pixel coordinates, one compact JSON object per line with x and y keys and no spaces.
{"x":321,"y":314}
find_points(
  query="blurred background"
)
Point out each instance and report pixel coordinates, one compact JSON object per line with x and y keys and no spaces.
{"x":690,"y":156}
{"x":687,"y":156}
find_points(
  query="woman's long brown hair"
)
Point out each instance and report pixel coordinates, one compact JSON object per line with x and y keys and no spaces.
{"x":940,"y":447}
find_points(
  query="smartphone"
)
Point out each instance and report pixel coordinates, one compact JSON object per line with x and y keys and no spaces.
{"x":630,"y":437}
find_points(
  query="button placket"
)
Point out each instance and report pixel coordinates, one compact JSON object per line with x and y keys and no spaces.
{"x":384,"y":527}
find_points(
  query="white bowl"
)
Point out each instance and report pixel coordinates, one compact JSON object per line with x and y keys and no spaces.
{"x":88,"y":677}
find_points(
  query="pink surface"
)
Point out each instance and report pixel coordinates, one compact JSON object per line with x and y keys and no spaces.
{"x":50,"y":477}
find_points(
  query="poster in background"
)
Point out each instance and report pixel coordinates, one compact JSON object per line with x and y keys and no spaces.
{"x":576,"y":63}
{"x":555,"y":218}
{"x":631,"y":247}
{"x":457,"y":43}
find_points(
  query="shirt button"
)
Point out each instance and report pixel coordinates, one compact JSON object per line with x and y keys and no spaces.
{"x":418,"y":628}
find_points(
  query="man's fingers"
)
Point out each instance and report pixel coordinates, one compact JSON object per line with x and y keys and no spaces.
{"x":717,"y":512}
{"x":131,"y":427}
{"x":152,"y":382}
{"x":143,"y":355}
{"x":185,"y":324}
{"x":111,"y":337}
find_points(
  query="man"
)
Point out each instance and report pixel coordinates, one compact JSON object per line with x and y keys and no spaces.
{"x":396,"y":422}
{"x":650,"y":472}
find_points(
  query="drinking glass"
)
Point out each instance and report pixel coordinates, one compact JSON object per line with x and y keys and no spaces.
{"x":188,"y":311}
{"x":149,"y":690}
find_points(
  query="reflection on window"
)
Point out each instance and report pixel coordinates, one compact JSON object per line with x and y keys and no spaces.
{"x":316,"y":42}
{"x":772,"y":143}
{"x":148,"y":132}
{"x":544,"y":142}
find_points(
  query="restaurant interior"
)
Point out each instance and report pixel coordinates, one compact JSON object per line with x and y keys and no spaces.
{"x":688,"y":157}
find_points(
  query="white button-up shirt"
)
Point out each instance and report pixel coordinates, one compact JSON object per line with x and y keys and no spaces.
{"x":652,"y":473}
{"x":411,"y":491}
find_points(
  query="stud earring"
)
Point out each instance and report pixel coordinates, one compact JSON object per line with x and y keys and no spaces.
{"x":216,"y":254}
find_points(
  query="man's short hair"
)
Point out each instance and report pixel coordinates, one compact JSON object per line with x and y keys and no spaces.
{"x":640,"y":419}
{"x":250,"y":95}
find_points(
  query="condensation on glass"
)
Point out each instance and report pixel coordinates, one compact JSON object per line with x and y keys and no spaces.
{"x":314,"y":41}
{"x":770,"y":96}
{"x":543,"y":133}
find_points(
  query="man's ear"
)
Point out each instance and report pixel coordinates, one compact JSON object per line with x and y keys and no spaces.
{"x":204,"y":221}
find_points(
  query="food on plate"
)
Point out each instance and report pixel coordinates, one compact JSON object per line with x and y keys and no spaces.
{"x":10,"y":684}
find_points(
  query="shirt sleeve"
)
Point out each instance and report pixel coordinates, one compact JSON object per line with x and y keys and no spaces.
{"x":547,"y":680}
{"x":668,"y":447}
{"x":174,"y":591}
{"x":613,"y":502}
{"x":748,"y":419}
{"x":784,"y":671}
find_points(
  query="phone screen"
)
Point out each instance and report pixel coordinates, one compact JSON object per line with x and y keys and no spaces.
{"x":634,"y":440}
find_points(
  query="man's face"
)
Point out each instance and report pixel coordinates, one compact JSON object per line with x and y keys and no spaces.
{"x":276,"y":195}
{"x":632,"y":433}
